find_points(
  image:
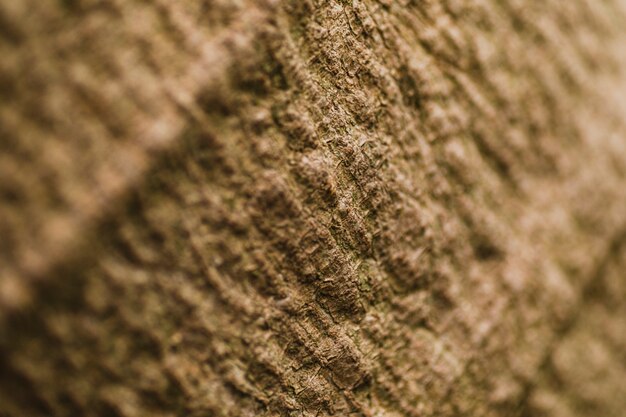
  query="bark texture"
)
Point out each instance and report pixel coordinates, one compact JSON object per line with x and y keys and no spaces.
{"x":307,"y":208}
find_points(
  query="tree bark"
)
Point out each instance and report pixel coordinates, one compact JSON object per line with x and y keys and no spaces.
{"x":306,"y":208}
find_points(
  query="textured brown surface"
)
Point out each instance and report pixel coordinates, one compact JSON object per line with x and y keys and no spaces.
{"x":585,"y":374}
{"x":378,"y":208}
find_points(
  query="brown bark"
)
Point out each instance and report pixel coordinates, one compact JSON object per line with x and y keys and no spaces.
{"x":265,"y":207}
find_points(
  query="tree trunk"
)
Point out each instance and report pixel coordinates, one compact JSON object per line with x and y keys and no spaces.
{"x":307,"y":208}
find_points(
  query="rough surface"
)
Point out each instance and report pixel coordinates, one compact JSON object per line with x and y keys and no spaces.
{"x":584,"y":375}
{"x":300,"y":208}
